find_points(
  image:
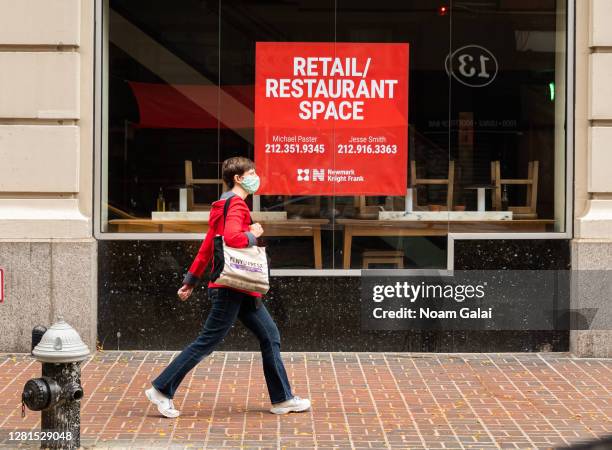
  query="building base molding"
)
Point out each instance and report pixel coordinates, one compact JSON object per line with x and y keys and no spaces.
{"x":43,"y":218}
{"x":596,"y":223}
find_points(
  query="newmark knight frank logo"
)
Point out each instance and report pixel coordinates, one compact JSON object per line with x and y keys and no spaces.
{"x":303,"y":174}
{"x":317,"y":174}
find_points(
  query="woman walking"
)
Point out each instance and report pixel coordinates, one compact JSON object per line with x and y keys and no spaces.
{"x":228,"y":304}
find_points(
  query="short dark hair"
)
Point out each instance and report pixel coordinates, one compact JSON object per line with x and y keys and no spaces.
{"x":237,"y":165}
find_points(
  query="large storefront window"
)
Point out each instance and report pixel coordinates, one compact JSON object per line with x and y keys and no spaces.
{"x":423,"y":118}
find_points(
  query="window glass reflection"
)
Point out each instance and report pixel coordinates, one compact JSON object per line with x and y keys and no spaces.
{"x":485,"y":130}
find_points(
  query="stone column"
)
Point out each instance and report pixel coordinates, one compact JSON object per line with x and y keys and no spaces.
{"x":592,"y":244}
{"x":47,"y":250}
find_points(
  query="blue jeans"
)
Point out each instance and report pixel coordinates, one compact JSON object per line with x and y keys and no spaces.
{"x":227,"y":305}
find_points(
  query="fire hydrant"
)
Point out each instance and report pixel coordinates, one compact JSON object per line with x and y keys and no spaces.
{"x":58,"y":392}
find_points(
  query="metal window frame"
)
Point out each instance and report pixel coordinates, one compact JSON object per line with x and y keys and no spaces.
{"x":451,"y":238}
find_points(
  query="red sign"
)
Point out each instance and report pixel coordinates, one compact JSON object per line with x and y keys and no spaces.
{"x":1,"y":285}
{"x":331,"y":118}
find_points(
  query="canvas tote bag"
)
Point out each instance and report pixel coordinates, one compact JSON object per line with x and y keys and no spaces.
{"x":245,"y":268}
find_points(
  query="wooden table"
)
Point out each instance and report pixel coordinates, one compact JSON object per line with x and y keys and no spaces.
{"x":358,"y":227}
{"x":275,"y":228}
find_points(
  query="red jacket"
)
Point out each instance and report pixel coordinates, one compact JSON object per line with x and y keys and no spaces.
{"x":236,"y":234}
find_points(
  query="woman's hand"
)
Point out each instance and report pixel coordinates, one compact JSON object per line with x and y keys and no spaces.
{"x":185,"y":292}
{"x":256,"y":229}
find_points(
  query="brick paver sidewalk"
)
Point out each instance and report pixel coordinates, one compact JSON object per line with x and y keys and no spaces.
{"x":360,"y":400}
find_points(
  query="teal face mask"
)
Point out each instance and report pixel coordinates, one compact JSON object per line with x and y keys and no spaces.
{"x":250,"y":183}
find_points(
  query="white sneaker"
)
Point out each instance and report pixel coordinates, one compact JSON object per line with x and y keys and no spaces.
{"x":165,"y":406}
{"x":295,"y":404}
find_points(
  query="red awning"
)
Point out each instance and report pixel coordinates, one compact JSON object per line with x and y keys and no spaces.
{"x":191,"y":106}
